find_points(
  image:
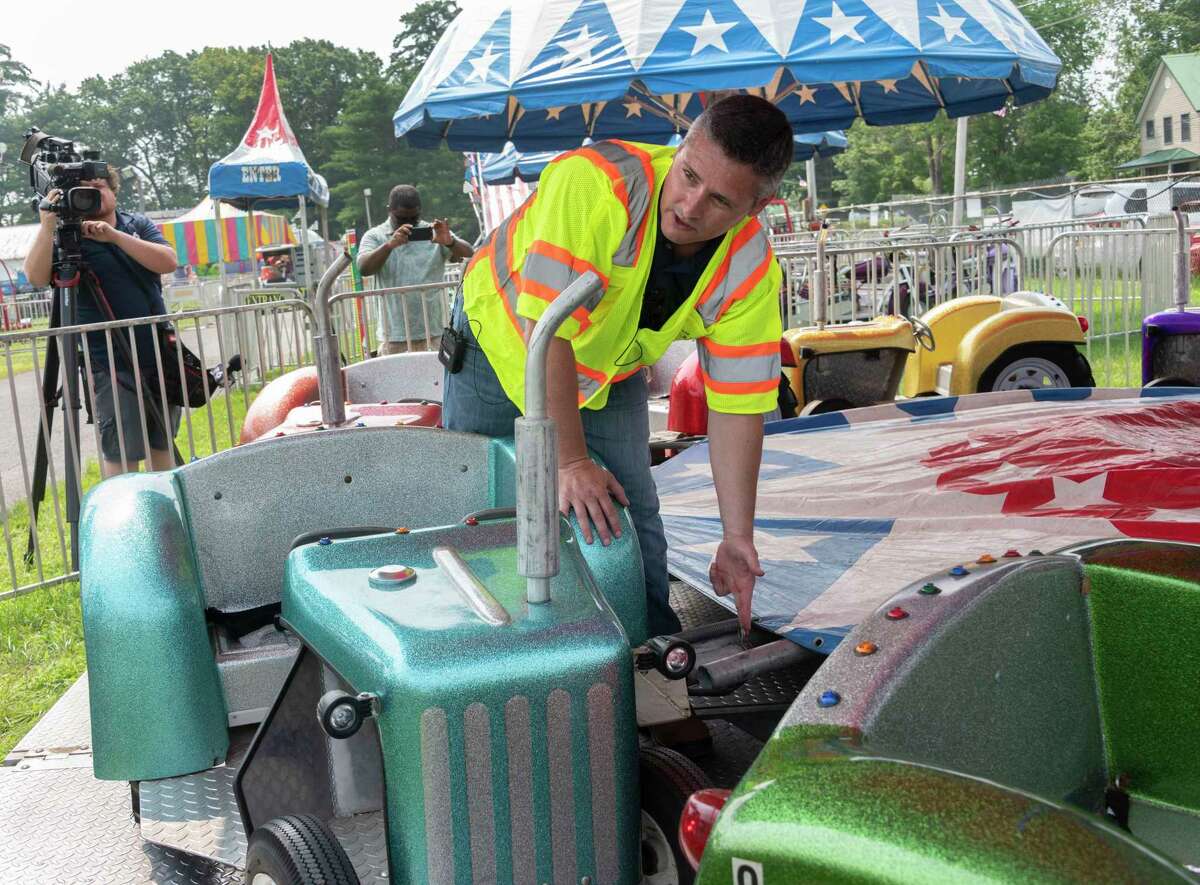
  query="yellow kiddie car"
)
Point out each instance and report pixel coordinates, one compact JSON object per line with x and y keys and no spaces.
{"x":976,"y":343}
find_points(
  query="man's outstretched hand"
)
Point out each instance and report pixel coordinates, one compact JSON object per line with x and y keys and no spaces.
{"x":588,"y":488}
{"x":733,"y":570}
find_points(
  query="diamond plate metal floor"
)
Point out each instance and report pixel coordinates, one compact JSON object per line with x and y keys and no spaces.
{"x":61,"y":826}
{"x":64,"y":827}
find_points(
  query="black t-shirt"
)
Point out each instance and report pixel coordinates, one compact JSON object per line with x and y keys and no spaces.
{"x":671,"y":280}
{"x":130,"y":289}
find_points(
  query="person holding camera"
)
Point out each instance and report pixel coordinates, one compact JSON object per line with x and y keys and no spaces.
{"x":127,"y":254}
{"x":406,"y":251}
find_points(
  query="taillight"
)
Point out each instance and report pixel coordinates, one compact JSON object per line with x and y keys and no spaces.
{"x":1083,"y":322}
{"x":696,"y":823}
{"x":786,"y":355}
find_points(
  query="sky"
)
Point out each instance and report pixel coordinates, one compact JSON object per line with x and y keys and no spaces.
{"x":57,"y":46}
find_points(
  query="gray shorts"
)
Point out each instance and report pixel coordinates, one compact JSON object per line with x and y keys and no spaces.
{"x":131,"y":410}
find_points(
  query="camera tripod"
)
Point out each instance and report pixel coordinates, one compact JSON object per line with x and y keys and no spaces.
{"x":69,"y":279}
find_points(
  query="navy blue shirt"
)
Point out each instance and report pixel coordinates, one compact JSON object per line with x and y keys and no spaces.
{"x":130,"y":289}
{"x":671,"y":280}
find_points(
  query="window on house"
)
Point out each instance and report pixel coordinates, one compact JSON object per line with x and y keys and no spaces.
{"x":1168,"y":135}
{"x":1149,"y":128}
{"x":1185,"y":127}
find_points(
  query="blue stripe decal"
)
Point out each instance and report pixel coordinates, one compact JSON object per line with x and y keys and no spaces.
{"x":1153,"y":392}
{"x":928,"y":406}
{"x":807,"y":423}
{"x":1061,"y":394}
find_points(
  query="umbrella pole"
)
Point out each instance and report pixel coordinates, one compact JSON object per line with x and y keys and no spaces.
{"x":304,"y":245}
{"x":810,"y":171}
{"x":326,"y":258}
{"x":220,"y":246}
{"x":960,"y":171}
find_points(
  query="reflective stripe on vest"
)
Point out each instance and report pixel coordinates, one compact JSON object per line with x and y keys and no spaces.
{"x":632,"y":179}
{"x":749,"y":368}
{"x":549,"y":269}
{"x":499,"y":253}
{"x":748,"y":259}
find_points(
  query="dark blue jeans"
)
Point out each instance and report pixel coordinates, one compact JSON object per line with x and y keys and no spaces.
{"x":474,"y":401}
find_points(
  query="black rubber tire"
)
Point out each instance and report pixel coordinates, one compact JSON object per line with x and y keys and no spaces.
{"x":298,"y":850}
{"x":1169,"y":382}
{"x":668,"y":778}
{"x":1067,"y":357}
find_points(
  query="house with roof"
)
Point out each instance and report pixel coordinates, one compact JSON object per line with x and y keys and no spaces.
{"x":1169,"y":118}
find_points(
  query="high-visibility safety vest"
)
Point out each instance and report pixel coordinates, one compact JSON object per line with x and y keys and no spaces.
{"x":596,"y":209}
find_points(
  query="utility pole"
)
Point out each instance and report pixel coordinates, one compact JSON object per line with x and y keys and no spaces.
{"x":367,"y":203}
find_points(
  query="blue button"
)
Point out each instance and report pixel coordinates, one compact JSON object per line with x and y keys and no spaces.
{"x":326,"y":541}
{"x":958,"y":571}
{"x":829,"y":698}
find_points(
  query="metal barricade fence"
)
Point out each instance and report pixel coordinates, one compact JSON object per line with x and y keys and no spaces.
{"x":898,"y":276}
{"x":1114,"y":278}
{"x":364,"y":326}
{"x":28,"y":313}
{"x":134,"y":418}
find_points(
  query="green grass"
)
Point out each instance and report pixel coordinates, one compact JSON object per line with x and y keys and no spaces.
{"x":41,"y":634}
{"x":41,"y":654}
{"x":1114,"y":346}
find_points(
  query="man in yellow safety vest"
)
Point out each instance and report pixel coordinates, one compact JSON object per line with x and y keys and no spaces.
{"x":674,"y":236}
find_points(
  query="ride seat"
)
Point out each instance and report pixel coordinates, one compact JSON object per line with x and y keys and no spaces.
{"x":401,"y":376}
{"x":859,"y":364}
{"x":1148,"y":669}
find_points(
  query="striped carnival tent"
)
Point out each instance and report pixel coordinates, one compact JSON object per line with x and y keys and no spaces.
{"x":195,"y":238}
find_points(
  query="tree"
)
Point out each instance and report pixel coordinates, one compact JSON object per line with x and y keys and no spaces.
{"x":365,"y":153}
{"x":883,"y":161}
{"x":12,"y":73}
{"x":420,"y":29}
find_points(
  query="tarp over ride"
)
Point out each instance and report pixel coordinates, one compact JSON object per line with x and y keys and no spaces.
{"x":853,"y":506}
{"x":268,"y":169}
{"x":196,"y":239}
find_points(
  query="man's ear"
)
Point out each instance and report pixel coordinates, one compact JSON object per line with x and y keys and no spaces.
{"x":761,"y":204}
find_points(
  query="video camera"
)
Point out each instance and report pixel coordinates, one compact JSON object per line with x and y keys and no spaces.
{"x":56,"y":163}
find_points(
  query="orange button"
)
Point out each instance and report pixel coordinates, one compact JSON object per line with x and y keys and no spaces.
{"x":986,"y":558}
{"x":866,"y":648}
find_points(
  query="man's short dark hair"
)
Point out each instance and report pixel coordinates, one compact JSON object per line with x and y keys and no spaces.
{"x":751,"y":131}
{"x":404,"y":196}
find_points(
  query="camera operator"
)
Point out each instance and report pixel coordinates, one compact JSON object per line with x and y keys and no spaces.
{"x":127,"y":253}
{"x":406,"y":251}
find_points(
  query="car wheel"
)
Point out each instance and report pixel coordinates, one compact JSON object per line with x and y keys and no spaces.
{"x":668,"y":779}
{"x":1037,"y":367}
{"x":297,"y":850}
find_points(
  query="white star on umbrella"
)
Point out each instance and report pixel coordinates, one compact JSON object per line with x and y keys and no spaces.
{"x":709,"y":32}
{"x":806,"y":94}
{"x":950,"y":25}
{"x":633,"y":109}
{"x":789,"y":547}
{"x":481,"y":65}
{"x":841,"y":25}
{"x":888,"y":86}
{"x":580,"y":47}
